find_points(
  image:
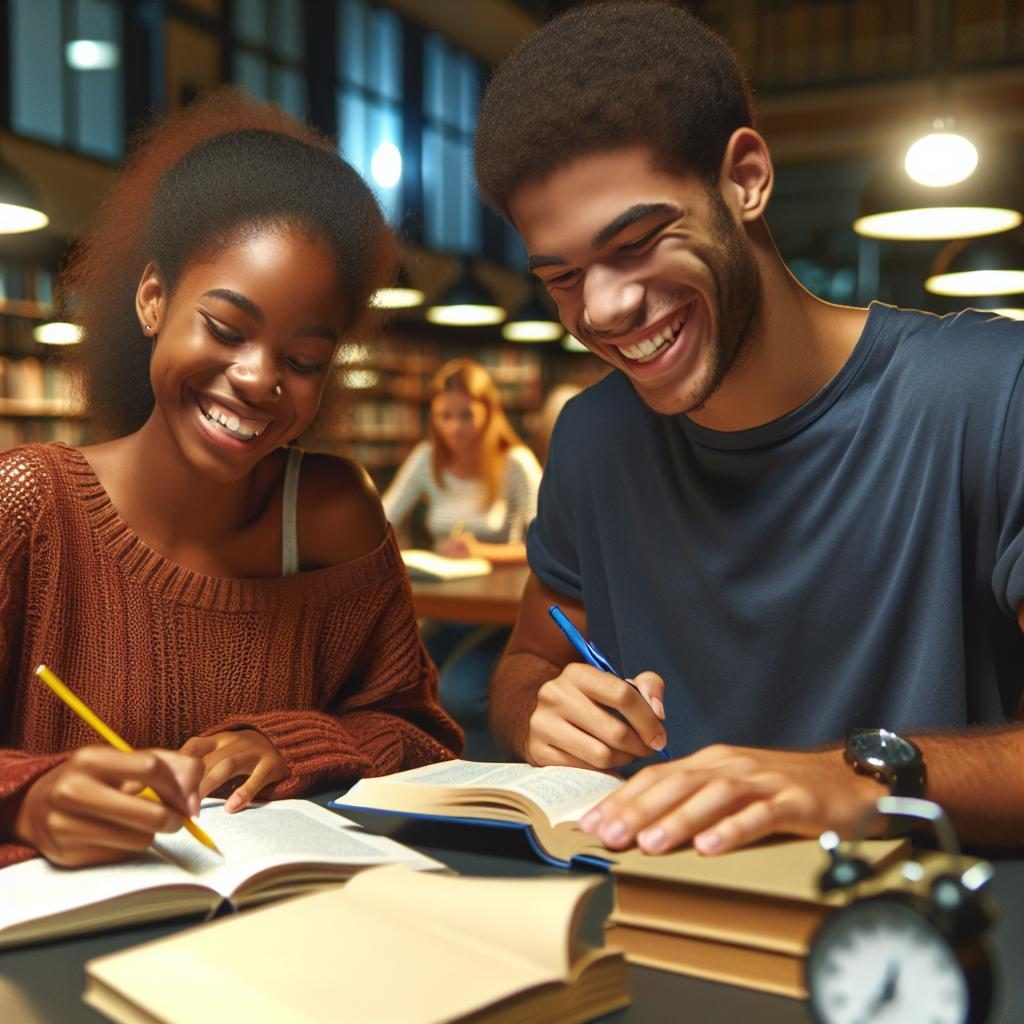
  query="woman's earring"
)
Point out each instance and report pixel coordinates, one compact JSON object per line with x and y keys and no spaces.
{"x":277,"y":390}
{"x":147,"y":328}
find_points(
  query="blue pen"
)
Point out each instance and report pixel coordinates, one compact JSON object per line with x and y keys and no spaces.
{"x":590,"y":654}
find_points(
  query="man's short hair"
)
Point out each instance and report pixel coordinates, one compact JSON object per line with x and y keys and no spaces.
{"x":606,"y":76}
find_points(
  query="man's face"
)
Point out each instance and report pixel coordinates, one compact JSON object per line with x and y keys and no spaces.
{"x":648,"y":269}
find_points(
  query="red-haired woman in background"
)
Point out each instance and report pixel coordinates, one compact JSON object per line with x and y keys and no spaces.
{"x":480,"y":484}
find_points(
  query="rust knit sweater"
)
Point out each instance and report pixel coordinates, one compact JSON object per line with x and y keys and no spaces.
{"x":327,"y":664}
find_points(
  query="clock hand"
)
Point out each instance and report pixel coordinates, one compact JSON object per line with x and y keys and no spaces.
{"x":885,"y":995}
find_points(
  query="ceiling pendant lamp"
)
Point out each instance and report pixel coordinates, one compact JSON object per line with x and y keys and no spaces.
{"x":985,"y":266}
{"x":403,"y":294}
{"x":20,"y":209}
{"x":533,"y":322}
{"x":466,"y":303}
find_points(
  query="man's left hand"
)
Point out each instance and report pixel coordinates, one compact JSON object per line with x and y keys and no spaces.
{"x":724,"y":797}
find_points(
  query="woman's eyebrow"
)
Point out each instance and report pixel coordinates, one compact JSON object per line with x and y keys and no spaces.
{"x":236,"y":299}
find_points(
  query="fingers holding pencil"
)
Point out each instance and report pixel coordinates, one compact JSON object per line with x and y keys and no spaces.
{"x":78,"y":813}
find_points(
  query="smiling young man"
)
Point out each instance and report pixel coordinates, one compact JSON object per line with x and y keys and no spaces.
{"x":785,"y":520}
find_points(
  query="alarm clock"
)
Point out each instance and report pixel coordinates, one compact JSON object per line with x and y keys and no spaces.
{"x":901,"y":956}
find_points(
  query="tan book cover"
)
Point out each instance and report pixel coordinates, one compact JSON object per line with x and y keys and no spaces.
{"x":270,"y":850}
{"x":745,"y":966}
{"x":392,"y":946}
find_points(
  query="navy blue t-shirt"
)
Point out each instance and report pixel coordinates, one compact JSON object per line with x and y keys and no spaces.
{"x":857,"y":562}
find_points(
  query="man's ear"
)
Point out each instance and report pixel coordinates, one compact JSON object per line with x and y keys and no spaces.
{"x":150,"y":300}
{"x":747,"y":174}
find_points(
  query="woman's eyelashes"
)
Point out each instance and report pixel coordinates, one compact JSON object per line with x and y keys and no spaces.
{"x":229,"y":337}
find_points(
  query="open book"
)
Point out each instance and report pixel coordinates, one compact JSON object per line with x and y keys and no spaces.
{"x":432,"y":567}
{"x":546,"y":802}
{"x":270,"y":850}
{"x":391,"y":946}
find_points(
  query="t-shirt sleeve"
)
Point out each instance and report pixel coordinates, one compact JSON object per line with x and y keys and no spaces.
{"x":408,"y":485}
{"x":1008,"y":575}
{"x":551,"y":541}
{"x":522,"y":483}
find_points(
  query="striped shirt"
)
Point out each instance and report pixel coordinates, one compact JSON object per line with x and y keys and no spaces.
{"x":463,"y":502}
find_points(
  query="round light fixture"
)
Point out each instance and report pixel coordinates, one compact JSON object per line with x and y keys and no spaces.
{"x":467,"y":303}
{"x":985,"y":266}
{"x":941,"y":158}
{"x":92,"y":55}
{"x":533,"y":322}
{"x":386,"y":165}
{"x":57,"y":332}
{"x":20,"y":210}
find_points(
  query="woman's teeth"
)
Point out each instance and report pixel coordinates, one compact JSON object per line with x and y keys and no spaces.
{"x":232,"y":425}
{"x":645,"y":350}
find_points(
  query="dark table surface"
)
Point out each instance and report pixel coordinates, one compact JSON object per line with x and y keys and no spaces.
{"x":42,"y":984}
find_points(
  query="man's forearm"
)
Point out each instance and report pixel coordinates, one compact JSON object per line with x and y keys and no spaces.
{"x":978,"y":778}
{"x":514,"y":689}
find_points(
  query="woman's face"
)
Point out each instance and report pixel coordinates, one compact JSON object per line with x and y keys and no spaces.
{"x":244,"y":346}
{"x":459,"y":420}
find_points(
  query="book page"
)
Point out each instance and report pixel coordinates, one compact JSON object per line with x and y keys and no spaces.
{"x":563,"y":794}
{"x":277,"y":834}
{"x":428,"y":565}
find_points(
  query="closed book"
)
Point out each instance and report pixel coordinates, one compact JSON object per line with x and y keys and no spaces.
{"x":390,"y":947}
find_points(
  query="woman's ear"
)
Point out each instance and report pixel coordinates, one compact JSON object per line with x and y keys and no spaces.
{"x":747,"y":174}
{"x":150,"y":300}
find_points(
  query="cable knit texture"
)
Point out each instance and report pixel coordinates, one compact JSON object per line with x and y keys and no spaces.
{"x":328,"y":663}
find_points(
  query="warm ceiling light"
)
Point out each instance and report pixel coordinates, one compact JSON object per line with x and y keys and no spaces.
{"x":386,"y":165}
{"x":401,"y":295}
{"x":467,"y":303}
{"x":941,"y":158}
{"x":19,"y":208}
{"x":573,"y":344}
{"x":57,"y":332}
{"x":985,"y":266}
{"x":894,"y":207}
{"x":92,"y":55}
{"x":532,"y":322}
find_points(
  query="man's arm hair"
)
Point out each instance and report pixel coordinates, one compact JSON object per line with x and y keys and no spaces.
{"x":537,"y":651}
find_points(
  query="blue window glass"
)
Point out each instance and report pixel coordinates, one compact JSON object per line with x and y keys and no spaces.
{"x":269,"y":52}
{"x":369,"y":69}
{"x":66,"y":74}
{"x":451,"y":95}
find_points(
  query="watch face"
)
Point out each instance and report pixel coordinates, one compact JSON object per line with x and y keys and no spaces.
{"x":881,"y":962}
{"x":881,"y":748}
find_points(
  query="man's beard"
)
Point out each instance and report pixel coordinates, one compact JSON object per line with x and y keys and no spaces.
{"x":739,"y":299}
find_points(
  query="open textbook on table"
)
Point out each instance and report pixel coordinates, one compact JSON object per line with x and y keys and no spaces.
{"x":270,"y":850}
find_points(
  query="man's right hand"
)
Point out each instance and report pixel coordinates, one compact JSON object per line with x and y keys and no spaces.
{"x":88,"y":809}
{"x":587,"y":718}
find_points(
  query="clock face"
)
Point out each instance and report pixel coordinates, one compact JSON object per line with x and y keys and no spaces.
{"x":881,"y":962}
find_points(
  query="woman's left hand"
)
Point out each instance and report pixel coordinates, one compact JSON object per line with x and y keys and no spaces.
{"x":465,"y":545}
{"x":229,"y":755}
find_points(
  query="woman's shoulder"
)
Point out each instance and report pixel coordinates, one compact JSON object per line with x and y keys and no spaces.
{"x":28,"y":479}
{"x":522,"y":460}
{"x":340,"y":513}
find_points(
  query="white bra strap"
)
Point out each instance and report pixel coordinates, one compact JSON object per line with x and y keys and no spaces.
{"x":289,"y":514}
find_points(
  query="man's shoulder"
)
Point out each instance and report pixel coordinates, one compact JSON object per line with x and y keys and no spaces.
{"x":603,"y":405}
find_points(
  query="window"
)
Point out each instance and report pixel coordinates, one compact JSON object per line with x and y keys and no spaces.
{"x":451,"y":96}
{"x":268,"y":56}
{"x":66,"y":74}
{"x":369,"y":93}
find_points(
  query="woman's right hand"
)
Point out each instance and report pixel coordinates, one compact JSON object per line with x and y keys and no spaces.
{"x":88,"y":809}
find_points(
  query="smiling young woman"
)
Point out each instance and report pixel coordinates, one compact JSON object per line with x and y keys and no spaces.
{"x":217,"y":596}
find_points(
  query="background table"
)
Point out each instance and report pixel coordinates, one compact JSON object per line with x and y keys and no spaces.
{"x":482,"y":600}
{"x":43,"y":984}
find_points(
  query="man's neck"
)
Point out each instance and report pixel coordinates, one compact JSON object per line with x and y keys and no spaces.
{"x":796,"y":346}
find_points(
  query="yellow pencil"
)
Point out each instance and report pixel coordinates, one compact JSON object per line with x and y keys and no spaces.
{"x":95,"y":722}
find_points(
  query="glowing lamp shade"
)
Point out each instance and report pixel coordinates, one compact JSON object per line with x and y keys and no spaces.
{"x":467,"y":303}
{"x":20,"y":210}
{"x":92,"y":55}
{"x":401,"y":295}
{"x":57,"y":332}
{"x":573,"y":344}
{"x":987,"y":266}
{"x":533,"y":322}
{"x":1010,"y":306}
{"x":892,"y":206}
{"x":386,"y":165}
{"x":940,"y":159}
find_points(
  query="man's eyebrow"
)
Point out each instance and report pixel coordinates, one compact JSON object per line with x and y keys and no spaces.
{"x":630,"y":217}
{"x":244,"y":304}
{"x":609,"y":231}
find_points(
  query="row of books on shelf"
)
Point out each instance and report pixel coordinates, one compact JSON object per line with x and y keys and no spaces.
{"x":31,"y":380}
{"x":15,"y":431}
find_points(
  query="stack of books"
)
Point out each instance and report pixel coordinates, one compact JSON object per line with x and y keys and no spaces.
{"x":744,"y":918}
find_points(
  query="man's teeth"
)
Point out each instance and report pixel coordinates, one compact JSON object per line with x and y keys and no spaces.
{"x":647,"y":348}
